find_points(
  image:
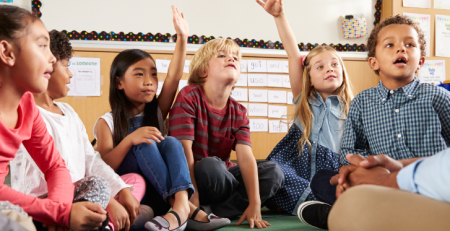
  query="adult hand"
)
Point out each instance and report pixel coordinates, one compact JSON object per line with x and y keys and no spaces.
{"x":180,"y":23}
{"x":273,"y":7}
{"x":118,"y":215}
{"x":143,"y":134}
{"x":86,"y":216}
{"x":129,"y":202}
{"x":253,"y":215}
{"x":383,"y":161}
{"x":354,"y":160}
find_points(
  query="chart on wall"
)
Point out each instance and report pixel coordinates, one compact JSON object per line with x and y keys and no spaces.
{"x":442,"y":35}
{"x":86,"y":78}
{"x":424,"y":21}
{"x":433,"y":71}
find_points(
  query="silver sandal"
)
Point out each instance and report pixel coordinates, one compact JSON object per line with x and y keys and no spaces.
{"x":214,"y":222}
{"x":161,"y":224}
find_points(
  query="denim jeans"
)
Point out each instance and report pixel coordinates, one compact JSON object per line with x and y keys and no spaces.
{"x":321,"y":187}
{"x":163,"y":165}
{"x":224,"y":189}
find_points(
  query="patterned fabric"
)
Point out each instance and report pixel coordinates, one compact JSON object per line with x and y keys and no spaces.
{"x":93,"y":188}
{"x":411,"y":121}
{"x":6,"y":205}
{"x":298,"y":169}
{"x":214,"y":132}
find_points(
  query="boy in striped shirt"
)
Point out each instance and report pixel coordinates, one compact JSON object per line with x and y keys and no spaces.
{"x":209,"y":124}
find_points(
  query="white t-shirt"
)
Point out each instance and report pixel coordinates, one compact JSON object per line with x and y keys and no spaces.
{"x":72,"y":142}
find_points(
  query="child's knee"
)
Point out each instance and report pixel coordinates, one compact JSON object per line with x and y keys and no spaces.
{"x":209,"y":166}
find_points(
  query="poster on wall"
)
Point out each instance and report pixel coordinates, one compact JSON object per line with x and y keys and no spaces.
{"x":424,"y":21}
{"x":417,"y":3}
{"x":86,"y":78}
{"x":442,"y":36}
{"x":442,"y":4}
{"x":432,"y":71}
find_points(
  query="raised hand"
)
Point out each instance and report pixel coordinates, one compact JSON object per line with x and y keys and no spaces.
{"x":180,"y":23}
{"x":273,"y":7}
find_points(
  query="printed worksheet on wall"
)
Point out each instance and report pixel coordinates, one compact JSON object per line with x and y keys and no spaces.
{"x":417,"y":3}
{"x":442,"y":36}
{"x":424,"y":21}
{"x":86,"y":78}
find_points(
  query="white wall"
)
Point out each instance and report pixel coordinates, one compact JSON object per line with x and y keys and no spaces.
{"x":313,"y":21}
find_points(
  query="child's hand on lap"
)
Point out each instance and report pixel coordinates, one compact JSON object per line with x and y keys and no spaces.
{"x":86,"y":216}
{"x":118,"y":215}
{"x":180,"y":23}
{"x":129,"y":202}
{"x":273,"y":7}
{"x":253,"y":215}
{"x":143,"y":134}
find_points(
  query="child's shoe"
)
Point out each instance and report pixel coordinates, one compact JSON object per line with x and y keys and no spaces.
{"x":145,"y":215}
{"x":161,"y":224}
{"x":214,"y":222}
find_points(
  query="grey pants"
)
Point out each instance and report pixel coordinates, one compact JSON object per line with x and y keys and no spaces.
{"x":224,"y":188}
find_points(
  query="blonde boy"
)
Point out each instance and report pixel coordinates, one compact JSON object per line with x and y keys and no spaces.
{"x":210,"y":124}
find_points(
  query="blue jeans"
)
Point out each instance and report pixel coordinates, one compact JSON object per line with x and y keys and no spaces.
{"x":163,"y":164}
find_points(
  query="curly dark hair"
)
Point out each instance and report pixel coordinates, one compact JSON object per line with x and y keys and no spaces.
{"x":394,"y":20}
{"x":60,"y":45}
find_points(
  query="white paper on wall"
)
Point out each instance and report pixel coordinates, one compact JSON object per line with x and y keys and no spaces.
{"x":244,"y":65}
{"x":259,"y":125}
{"x":242,"y":81}
{"x":286,"y":81}
{"x":183,"y":83}
{"x":275,"y":80}
{"x":277,"y":111}
{"x":274,"y":66}
{"x":442,"y":36}
{"x":160,"y":85}
{"x":246,"y":106}
{"x":162,"y":65}
{"x":417,"y":3}
{"x":424,"y":21}
{"x":278,"y":126}
{"x":256,"y":109}
{"x":240,"y":94}
{"x":285,"y":66}
{"x":86,"y":78}
{"x":277,"y":97}
{"x":442,"y":4}
{"x":186,"y":66}
{"x":257,"y":80}
{"x":432,"y":71}
{"x":257,"y":66}
{"x":256,"y":95}
{"x":290,"y":98}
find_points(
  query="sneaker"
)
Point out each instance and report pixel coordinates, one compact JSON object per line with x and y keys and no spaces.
{"x":314,"y":214}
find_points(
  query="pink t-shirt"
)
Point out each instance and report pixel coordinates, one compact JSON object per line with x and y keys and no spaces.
{"x":32,"y":132}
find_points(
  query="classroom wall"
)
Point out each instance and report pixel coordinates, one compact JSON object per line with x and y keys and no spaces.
{"x":315,"y":21}
{"x":394,"y":7}
{"x":91,"y":108}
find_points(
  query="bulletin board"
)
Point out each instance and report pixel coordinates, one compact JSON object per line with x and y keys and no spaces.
{"x":91,"y":108}
{"x":395,"y":7}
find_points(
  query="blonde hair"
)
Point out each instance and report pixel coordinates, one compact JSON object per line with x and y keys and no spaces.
{"x":303,"y":110}
{"x":199,"y":63}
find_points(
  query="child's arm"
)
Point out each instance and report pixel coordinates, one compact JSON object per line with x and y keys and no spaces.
{"x":354,"y":140}
{"x":247,"y":165}
{"x":176,"y":66}
{"x":275,"y":8}
{"x":187,"y":146}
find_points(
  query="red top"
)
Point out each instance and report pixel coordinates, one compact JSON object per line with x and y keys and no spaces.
{"x":32,"y":132}
{"x":214,"y":132}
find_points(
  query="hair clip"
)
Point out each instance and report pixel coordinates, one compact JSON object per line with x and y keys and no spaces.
{"x":303,"y":60}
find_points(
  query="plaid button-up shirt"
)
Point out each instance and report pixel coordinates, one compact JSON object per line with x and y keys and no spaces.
{"x":411,"y":121}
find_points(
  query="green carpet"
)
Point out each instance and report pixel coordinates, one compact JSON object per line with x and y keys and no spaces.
{"x":278,"y":222}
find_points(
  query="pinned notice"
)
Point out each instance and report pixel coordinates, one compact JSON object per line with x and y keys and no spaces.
{"x":277,"y":97}
{"x":277,"y":111}
{"x":242,"y":81}
{"x":162,"y":65}
{"x":257,"y":66}
{"x":278,"y":126}
{"x":240,"y":94}
{"x":275,"y":80}
{"x":257,"y":80}
{"x":257,"y":95}
{"x":86,"y":77}
{"x":256,"y":109}
{"x":183,"y":83}
{"x":186,"y":66}
{"x":244,"y":64}
{"x":259,"y":125}
{"x":274,"y":66}
{"x":286,"y":81}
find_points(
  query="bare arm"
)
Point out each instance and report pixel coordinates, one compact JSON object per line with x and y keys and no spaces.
{"x":275,"y":8}
{"x":176,"y":66}
{"x":187,"y":145}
